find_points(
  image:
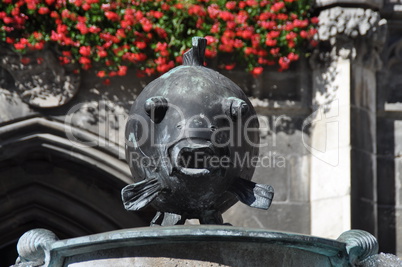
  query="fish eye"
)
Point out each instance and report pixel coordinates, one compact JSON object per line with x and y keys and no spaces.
{"x":235,"y":107}
{"x":213,"y":128}
{"x":156,"y":108}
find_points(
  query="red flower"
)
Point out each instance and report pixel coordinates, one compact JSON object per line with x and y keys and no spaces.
{"x":209,"y":53}
{"x":105,"y":7}
{"x":86,"y":6}
{"x":249,"y":50}
{"x":213,"y":11}
{"x":246,"y":34}
{"x":146,"y":25}
{"x":94,"y":29}
{"x":8,"y":20}
{"x":238,"y":43}
{"x":165,"y":7}
{"x":161,"y":32}
{"x":101,"y":74}
{"x":270,"y":42}
{"x":112,"y":15}
{"x":284,"y":63}
{"x":122,"y":70}
{"x":215,"y":28}
{"x":230,"y":66}
{"x":257,"y":71}
{"x":15,"y":11}
{"x":300,"y":23}
{"x":262,"y":61}
{"x":64,"y":60}
{"x":282,"y":16}
{"x":121,"y":34}
{"x":140,"y":57}
{"x":85,"y":60}
{"x":85,"y":51}
{"x":82,"y":27}
{"x":303,"y":34}
{"x":65,"y":14}
{"x":106,"y":82}
{"x":158,"y":14}
{"x":179,"y":59}
{"x":149,"y":71}
{"x":291,"y":36}
{"x":242,"y":17}
{"x":211,"y":39}
{"x":273,"y":34}
{"x":102,"y":53}
{"x":54,"y":15}
{"x":269,"y":25}
{"x":179,"y":6}
{"x":277,"y":6}
{"x":293,"y":57}
{"x":274,"y":51}
{"x":226,"y":15}
{"x":19,"y":46}
{"x":43,"y":10}
{"x":242,"y":5}
{"x":77,"y":3}
{"x":140,"y":45}
{"x":291,"y":44}
{"x":25,"y":60}
{"x":231,"y":5}
{"x":37,"y":35}
{"x":314,"y":20}
{"x":312,"y":31}
{"x":196,"y":10}
{"x":39,"y":46}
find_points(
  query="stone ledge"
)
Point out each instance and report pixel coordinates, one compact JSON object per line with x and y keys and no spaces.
{"x":375,"y":4}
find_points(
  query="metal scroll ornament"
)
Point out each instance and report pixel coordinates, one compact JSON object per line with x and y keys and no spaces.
{"x":191,"y":138}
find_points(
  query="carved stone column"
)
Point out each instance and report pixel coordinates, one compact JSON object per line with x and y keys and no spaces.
{"x":343,"y":164}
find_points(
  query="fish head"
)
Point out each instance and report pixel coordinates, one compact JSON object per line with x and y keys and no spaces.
{"x":194,"y":130}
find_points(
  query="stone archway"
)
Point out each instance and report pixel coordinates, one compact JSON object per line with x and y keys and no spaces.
{"x":48,"y":182}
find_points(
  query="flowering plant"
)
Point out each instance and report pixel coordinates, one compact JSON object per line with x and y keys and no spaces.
{"x":153,"y":35}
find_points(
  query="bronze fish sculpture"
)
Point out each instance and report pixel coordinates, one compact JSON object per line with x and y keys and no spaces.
{"x":190,"y":137}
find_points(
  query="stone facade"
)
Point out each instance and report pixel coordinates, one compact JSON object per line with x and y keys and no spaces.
{"x":330,"y":133}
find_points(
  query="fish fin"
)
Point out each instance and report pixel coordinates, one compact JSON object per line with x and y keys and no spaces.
{"x":252,"y":194}
{"x":195,"y":56}
{"x":138,"y":195}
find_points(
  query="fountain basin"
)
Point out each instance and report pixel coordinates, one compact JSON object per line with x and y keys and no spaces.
{"x":198,"y":246}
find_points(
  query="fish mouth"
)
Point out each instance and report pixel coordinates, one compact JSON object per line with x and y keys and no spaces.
{"x":195,"y":158}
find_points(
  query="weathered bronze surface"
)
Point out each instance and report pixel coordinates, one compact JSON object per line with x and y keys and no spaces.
{"x":192,"y":145}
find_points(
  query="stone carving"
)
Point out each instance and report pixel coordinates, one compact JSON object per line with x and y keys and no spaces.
{"x":33,"y":248}
{"x":354,"y":33}
{"x":39,"y":78}
{"x":185,"y":134}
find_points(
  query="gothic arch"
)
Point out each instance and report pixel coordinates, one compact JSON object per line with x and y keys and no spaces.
{"x":46,"y":181}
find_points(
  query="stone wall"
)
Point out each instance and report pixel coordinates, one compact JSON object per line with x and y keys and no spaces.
{"x":330,"y":129}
